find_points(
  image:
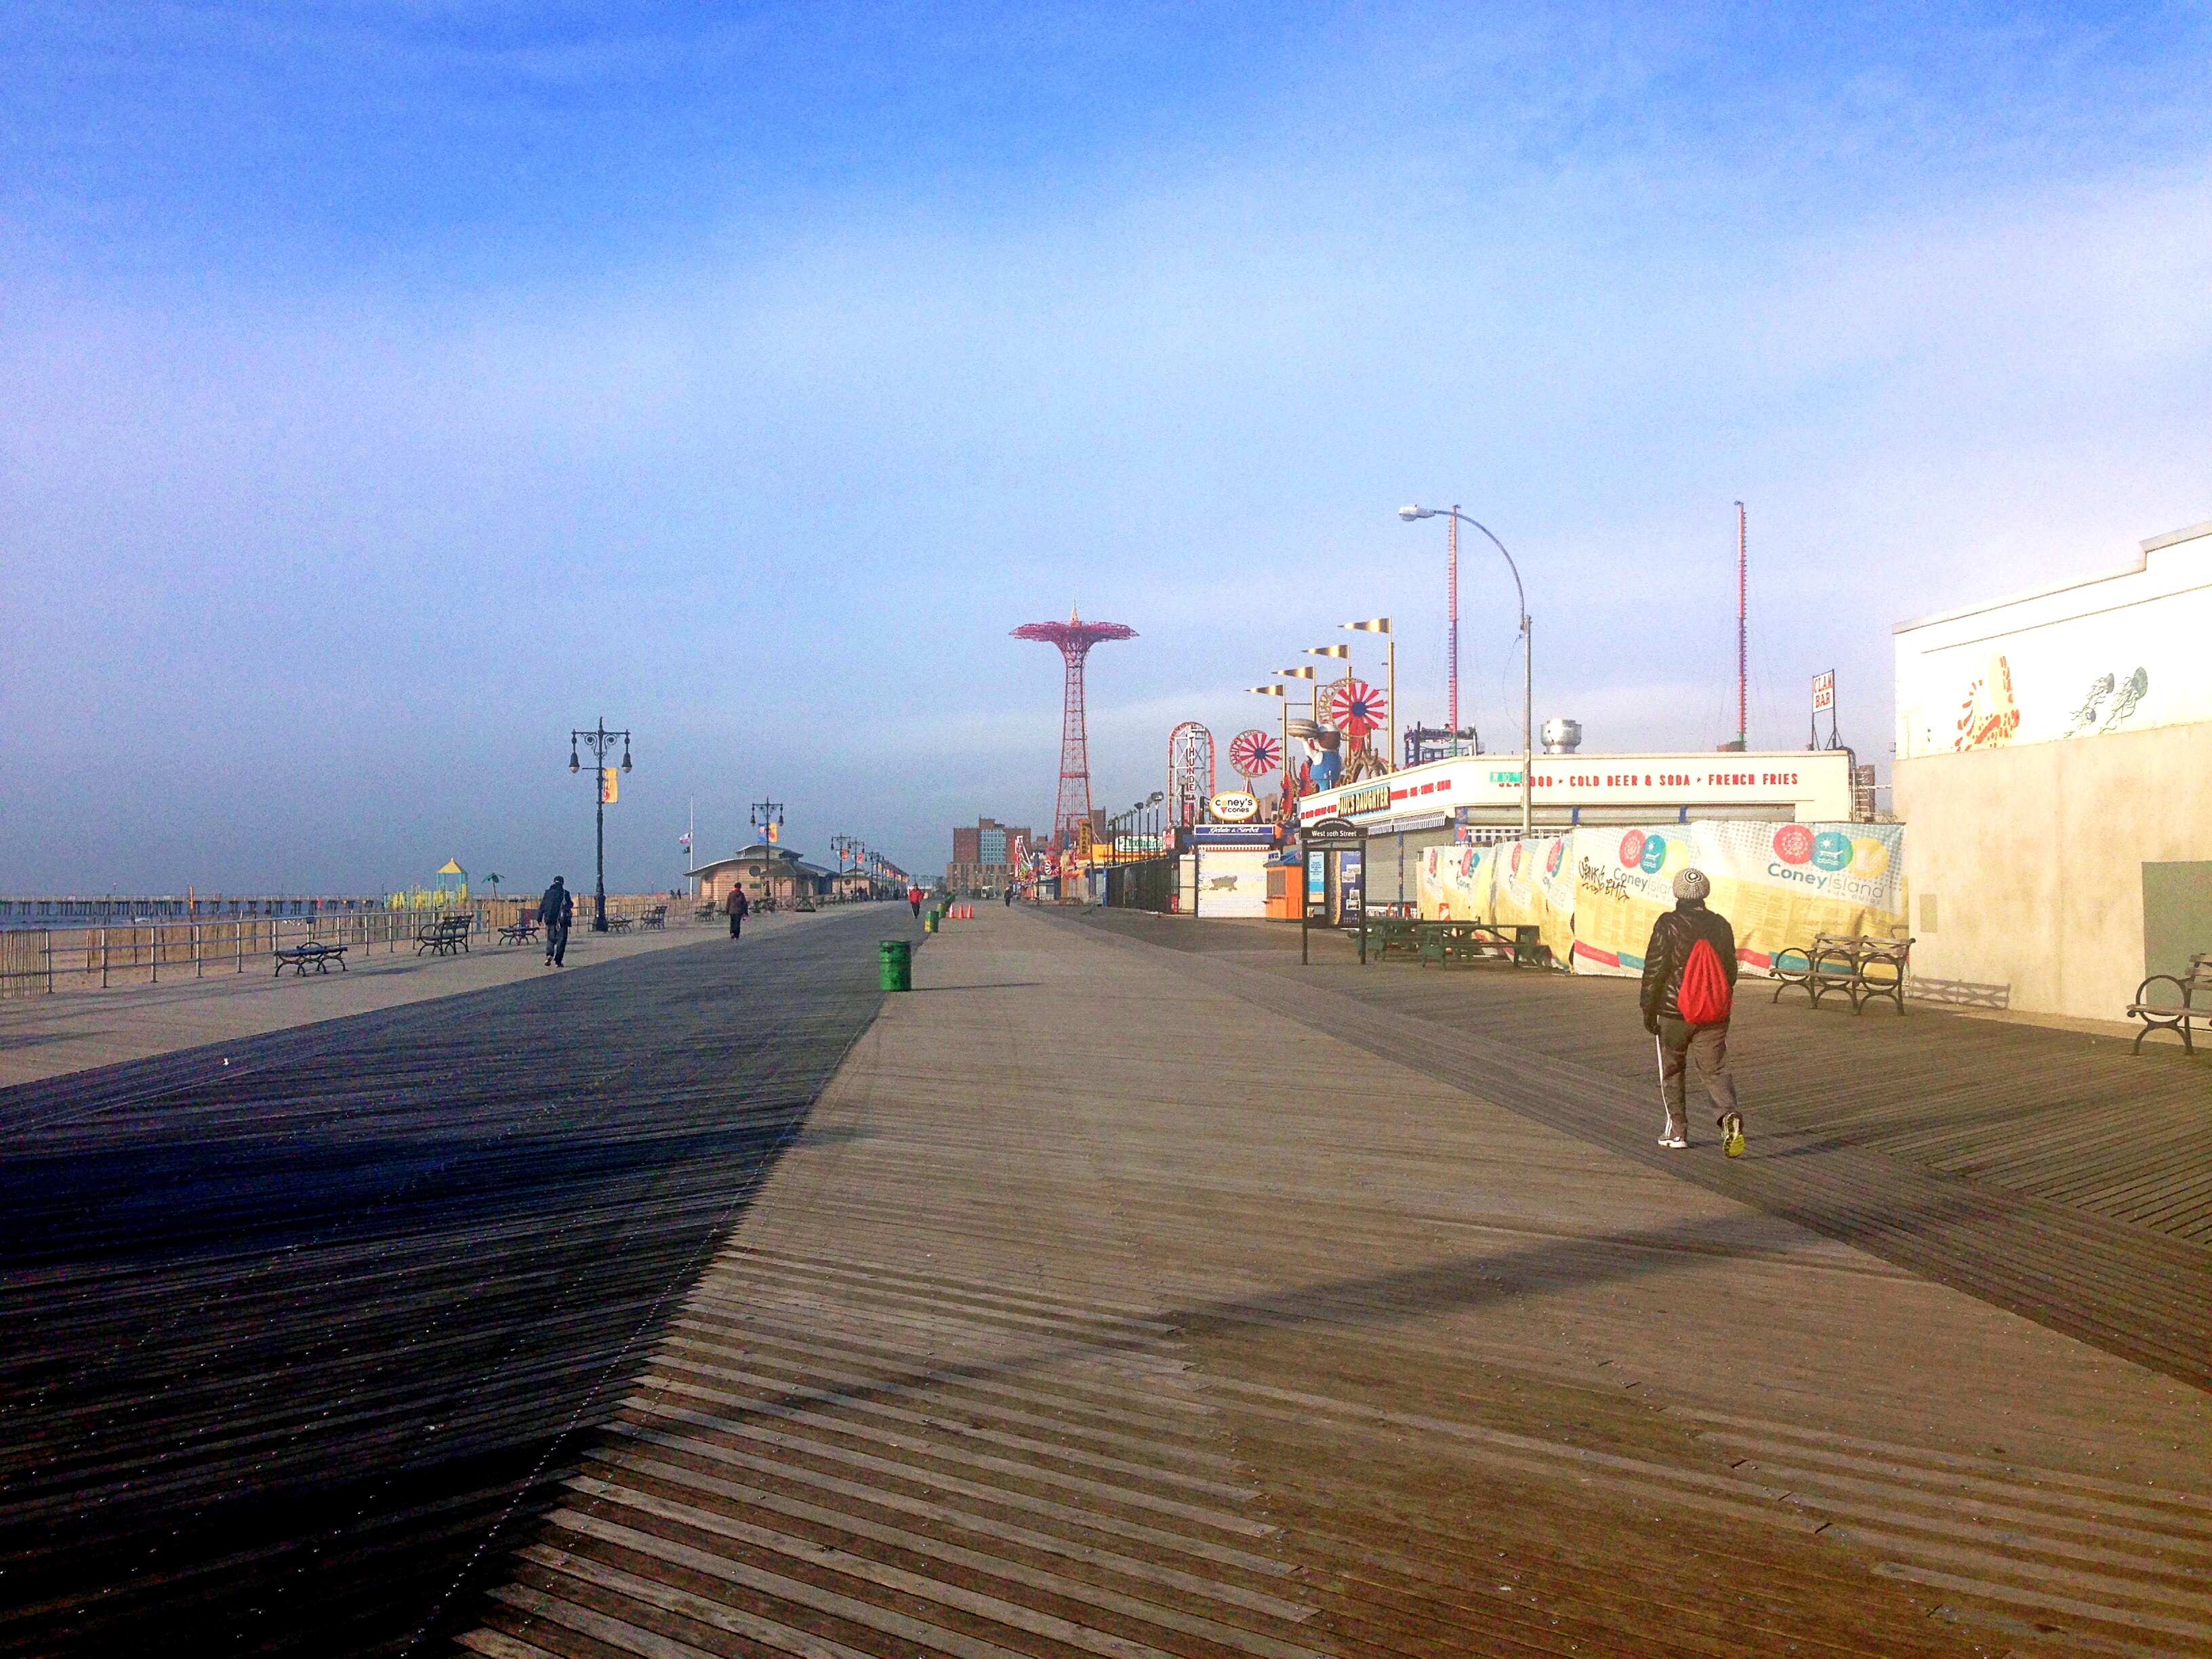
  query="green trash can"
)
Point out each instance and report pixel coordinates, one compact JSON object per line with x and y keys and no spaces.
{"x":895,"y":965}
{"x":929,"y":921}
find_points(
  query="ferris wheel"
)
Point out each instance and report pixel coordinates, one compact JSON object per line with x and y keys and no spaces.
{"x":1357,"y":707}
{"x":1253,"y":754}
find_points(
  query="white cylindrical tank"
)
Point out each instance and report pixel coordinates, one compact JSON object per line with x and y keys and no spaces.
{"x":1562,"y":737}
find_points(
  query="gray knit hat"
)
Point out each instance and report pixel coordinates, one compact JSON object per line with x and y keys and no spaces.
{"x":1692,"y":884}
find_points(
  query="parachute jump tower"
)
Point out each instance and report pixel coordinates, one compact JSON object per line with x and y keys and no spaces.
{"x":1074,"y":637}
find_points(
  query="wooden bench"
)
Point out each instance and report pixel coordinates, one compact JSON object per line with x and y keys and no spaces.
{"x":2177,"y":1018}
{"x":447,"y":936}
{"x":313,"y":954}
{"x":618,"y":924}
{"x":519,"y":932}
{"x":654,"y":920}
{"x":1861,"y":966}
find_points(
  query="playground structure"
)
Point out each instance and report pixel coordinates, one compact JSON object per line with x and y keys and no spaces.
{"x":1073,"y":638}
{"x":1190,"y":773}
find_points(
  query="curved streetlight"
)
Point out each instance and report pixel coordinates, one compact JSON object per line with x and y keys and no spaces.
{"x":1410,"y":514}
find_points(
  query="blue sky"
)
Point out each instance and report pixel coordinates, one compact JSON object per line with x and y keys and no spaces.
{"x":384,"y":390}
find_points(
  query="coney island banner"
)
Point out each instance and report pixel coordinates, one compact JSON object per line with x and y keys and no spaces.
{"x":1594,"y":893}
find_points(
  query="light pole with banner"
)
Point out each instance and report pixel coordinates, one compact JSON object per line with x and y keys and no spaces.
{"x":1411,"y":513}
{"x":1381,"y":625}
{"x":600,"y":741}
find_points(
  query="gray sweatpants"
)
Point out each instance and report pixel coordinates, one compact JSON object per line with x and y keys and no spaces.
{"x":1680,"y":1043}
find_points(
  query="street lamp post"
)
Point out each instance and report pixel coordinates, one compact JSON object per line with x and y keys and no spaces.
{"x":599,"y":740}
{"x":1409,"y":513}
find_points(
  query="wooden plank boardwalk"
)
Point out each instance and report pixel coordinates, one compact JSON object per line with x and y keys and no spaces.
{"x":290,"y":1338}
{"x":2060,"y":1115}
{"x":1106,"y":1310}
{"x":1942,"y":1141}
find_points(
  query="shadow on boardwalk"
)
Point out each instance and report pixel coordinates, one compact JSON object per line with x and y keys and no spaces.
{"x":290,"y":1339}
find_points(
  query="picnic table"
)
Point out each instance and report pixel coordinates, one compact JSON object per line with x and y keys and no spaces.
{"x":1447,"y":943}
{"x":519,"y":932}
{"x":1859,"y":965}
{"x":2177,"y":1018}
{"x":446,"y":936}
{"x":313,"y":954}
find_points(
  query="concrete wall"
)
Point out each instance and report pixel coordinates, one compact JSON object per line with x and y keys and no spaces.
{"x":2032,"y":856}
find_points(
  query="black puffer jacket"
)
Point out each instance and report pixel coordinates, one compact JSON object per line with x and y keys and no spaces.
{"x":1669,"y":953}
{"x":556,"y":907}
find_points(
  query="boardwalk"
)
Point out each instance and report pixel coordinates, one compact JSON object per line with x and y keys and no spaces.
{"x":290,"y":1338}
{"x":1133,"y":1302}
{"x":43,"y":1036}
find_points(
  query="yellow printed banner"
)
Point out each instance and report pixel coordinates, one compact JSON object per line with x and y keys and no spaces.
{"x":609,"y":782}
{"x":1595,"y":893}
{"x":1779,"y":885}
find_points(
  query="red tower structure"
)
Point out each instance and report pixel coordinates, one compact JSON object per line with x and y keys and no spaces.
{"x":1074,"y":637}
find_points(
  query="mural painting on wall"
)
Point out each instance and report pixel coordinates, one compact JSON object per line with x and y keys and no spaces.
{"x":1990,"y":715}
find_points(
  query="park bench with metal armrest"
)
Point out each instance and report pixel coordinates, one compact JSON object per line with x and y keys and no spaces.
{"x":1859,"y":965}
{"x":2175,"y":1016}
{"x":654,"y":920}
{"x":313,"y":954}
{"x":519,"y":932}
{"x":618,"y":924}
{"x":446,"y":936}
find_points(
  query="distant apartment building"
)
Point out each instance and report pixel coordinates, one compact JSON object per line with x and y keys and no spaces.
{"x":980,"y":853}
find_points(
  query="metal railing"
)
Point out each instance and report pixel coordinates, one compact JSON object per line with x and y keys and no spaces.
{"x":42,"y":961}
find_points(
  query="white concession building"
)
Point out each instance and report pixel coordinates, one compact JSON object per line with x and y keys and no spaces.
{"x":2054,"y":768}
{"x":1430,"y":806}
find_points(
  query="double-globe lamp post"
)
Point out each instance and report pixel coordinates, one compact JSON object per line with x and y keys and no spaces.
{"x":599,"y":740}
{"x":1527,"y":655}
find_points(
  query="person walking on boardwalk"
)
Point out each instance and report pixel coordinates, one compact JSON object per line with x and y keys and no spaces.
{"x":738,"y":907}
{"x":1689,"y":990}
{"x":913,"y":898}
{"x":556,"y":911}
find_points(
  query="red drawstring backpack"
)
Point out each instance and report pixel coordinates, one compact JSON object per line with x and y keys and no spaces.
{"x":1704,"y":998}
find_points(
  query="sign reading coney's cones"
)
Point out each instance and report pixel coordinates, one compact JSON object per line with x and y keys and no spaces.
{"x":1235,"y":807}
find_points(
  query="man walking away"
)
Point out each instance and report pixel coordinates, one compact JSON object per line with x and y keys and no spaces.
{"x":740,"y":907}
{"x":555,"y":912}
{"x":913,"y":898}
{"x":1009,"y":895}
{"x":1689,"y":990}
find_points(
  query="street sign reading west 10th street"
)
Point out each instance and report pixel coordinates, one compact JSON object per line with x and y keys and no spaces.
{"x":1328,"y":834}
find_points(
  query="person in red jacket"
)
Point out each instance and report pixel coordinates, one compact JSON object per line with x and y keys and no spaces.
{"x":913,"y":898}
{"x":1689,"y":991}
